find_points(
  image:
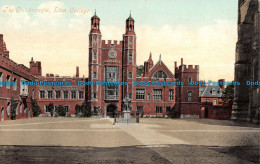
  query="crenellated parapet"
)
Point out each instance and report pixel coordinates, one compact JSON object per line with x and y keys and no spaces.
{"x":107,"y":44}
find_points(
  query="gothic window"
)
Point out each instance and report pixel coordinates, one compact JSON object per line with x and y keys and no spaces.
{"x":140,"y":94}
{"x":160,"y":74}
{"x":8,"y":81}
{"x":111,"y":75}
{"x":8,"y":108}
{"x":157,"y":94}
{"x":15,"y":84}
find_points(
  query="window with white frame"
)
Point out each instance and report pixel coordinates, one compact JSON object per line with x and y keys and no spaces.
{"x":130,"y":96}
{"x":94,"y":56}
{"x":73,"y":95}
{"x":81,"y":95}
{"x":215,"y":102}
{"x":130,"y":75}
{"x":42,"y":94}
{"x":158,"y":109}
{"x":140,"y":94}
{"x":189,"y":95}
{"x":157,"y":94}
{"x":130,"y":57}
{"x":94,"y":75}
{"x":111,"y":75}
{"x":171,"y":94}
{"x":58,"y":94}
{"x":50,"y":94}
{"x":65,"y":94}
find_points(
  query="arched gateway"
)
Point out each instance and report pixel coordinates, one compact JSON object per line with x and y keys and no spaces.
{"x":111,"y":110}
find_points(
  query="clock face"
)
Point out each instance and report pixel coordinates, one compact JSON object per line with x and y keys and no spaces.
{"x":112,"y":54}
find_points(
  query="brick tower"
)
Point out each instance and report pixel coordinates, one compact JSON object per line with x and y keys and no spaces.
{"x":187,"y":95}
{"x":129,"y":58}
{"x":95,"y":58}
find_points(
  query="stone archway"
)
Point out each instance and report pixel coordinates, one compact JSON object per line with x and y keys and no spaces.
{"x":111,"y":110}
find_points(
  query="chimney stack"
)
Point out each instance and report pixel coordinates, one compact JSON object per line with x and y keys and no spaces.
{"x":77,"y":71}
{"x":181,"y":61}
{"x":221,"y":81}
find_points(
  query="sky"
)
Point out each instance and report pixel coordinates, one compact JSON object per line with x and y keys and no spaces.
{"x":203,"y":32}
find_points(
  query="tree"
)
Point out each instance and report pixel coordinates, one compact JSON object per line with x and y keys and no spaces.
{"x":61,"y":111}
{"x":228,"y":96}
{"x":139,"y":70}
{"x":13,"y":109}
{"x":86,"y":109}
{"x":35,"y":108}
{"x":51,"y":108}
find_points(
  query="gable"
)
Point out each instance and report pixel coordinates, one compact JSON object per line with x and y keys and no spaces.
{"x":160,"y":66}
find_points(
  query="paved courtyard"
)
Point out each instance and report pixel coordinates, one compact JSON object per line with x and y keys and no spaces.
{"x":95,"y":140}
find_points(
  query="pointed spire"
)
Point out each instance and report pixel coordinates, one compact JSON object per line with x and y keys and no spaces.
{"x":32,"y":59}
{"x":150,"y":56}
{"x":95,"y":13}
{"x":160,"y":58}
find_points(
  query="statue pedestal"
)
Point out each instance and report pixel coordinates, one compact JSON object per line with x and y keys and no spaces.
{"x":126,"y":116}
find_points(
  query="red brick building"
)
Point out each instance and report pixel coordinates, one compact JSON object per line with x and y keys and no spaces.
{"x":155,"y":92}
{"x":11,"y":76}
{"x":116,"y":62}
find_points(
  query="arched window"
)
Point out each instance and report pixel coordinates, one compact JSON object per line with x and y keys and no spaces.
{"x":160,"y":74}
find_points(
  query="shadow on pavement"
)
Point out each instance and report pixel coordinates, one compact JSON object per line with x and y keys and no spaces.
{"x":130,"y":154}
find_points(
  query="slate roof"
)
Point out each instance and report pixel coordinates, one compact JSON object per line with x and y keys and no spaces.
{"x":208,"y":91}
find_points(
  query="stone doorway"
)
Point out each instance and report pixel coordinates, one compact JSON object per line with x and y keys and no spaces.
{"x":111,"y":110}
